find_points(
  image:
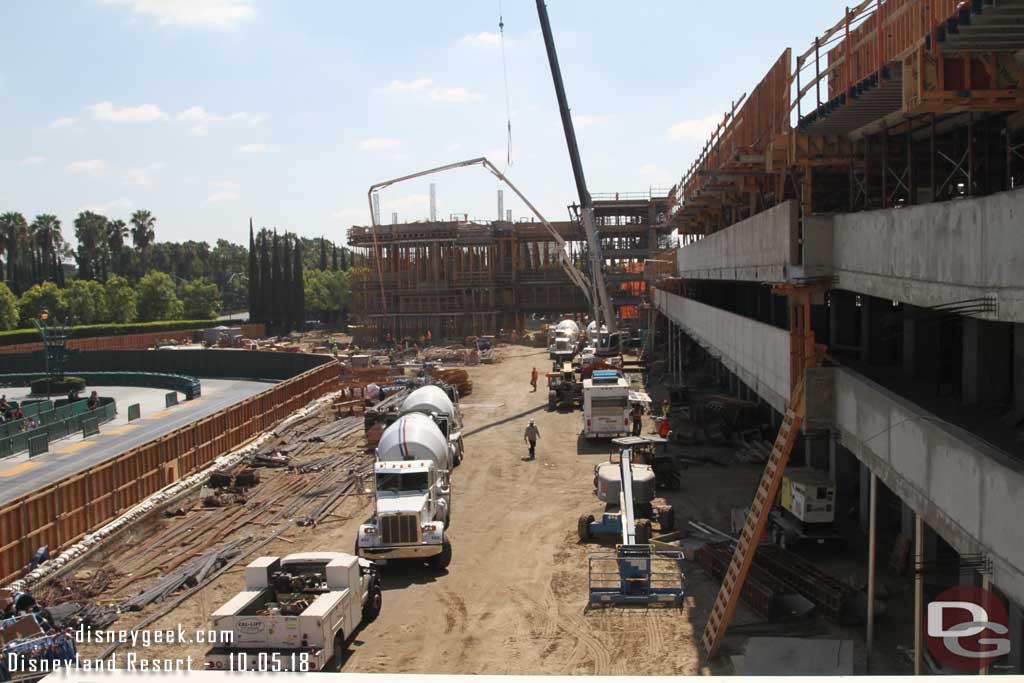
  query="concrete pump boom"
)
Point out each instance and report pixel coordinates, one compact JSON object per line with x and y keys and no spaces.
{"x":577,"y":277}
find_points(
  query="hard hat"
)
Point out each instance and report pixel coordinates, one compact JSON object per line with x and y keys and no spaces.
{"x":531,"y":421}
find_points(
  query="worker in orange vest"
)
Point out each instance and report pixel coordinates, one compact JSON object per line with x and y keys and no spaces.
{"x":429,"y":337}
{"x":533,"y":379}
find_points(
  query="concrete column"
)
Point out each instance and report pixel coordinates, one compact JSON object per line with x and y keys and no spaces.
{"x":1018,"y":366}
{"x":865,"y":328}
{"x":833,"y":316}
{"x":909,"y":337}
{"x":671,"y":353}
{"x":918,"y":591}
{"x":971,"y":372}
{"x":872,"y":561}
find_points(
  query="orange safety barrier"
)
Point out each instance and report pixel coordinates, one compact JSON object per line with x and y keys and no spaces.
{"x":61,"y":513}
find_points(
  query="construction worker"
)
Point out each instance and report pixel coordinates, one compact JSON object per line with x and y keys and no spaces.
{"x":533,"y":382}
{"x":665,"y":408}
{"x":638,"y":418}
{"x":430,"y":338}
{"x":530,"y":436}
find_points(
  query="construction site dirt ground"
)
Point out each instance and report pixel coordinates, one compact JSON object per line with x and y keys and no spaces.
{"x":513,"y":599}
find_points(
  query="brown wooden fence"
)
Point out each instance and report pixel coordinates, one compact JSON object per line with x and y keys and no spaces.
{"x":61,"y":513}
{"x":131,"y":342}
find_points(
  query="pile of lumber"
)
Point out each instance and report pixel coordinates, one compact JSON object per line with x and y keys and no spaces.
{"x":456,"y":378}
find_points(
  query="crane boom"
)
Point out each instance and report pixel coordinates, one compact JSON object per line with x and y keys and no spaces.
{"x":603,"y":311}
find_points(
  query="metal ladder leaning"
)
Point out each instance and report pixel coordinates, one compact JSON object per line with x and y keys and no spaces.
{"x":757,"y":518}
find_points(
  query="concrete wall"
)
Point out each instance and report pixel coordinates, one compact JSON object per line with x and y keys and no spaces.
{"x":937,"y":253}
{"x":968,"y":491}
{"x":756,"y":353}
{"x":760,"y":248}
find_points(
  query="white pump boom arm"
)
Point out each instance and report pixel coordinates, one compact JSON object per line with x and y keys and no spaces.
{"x":577,"y":277}
{"x":626,"y":497}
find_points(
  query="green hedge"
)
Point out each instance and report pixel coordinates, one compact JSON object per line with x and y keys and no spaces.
{"x":27,"y":336}
{"x":41,"y":386}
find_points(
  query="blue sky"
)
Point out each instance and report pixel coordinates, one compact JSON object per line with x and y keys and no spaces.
{"x":208,"y":111}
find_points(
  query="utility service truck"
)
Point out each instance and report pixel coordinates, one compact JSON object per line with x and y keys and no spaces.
{"x":296,"y":613}
{"x":605,"y":405}
{"x":432,"y":401}
{"x":413,"y":495}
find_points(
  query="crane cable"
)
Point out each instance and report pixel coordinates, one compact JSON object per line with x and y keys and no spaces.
{"x":508,"y":106}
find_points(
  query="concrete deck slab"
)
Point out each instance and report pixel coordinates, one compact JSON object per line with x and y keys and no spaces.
{"x":796,"y":657}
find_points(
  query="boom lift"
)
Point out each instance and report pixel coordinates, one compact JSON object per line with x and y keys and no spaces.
{"x":634,"y":573}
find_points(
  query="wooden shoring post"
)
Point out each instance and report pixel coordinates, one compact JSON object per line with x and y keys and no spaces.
{"x":1009,"y":158}
{"x":918,"y":590}
{"x":848,"y":69}
{"x":817,"y":70}
{"x":987,"y":157}
{"x":911,"y":179}
{"x":879,"y":39}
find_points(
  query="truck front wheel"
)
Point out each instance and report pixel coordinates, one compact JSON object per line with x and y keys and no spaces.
{"x":441,"y":561}
{"x":583,"y":527}
{"x":552,"y":401}
{"x":373,"y":603}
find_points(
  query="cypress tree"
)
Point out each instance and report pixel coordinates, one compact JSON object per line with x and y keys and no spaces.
{"x":254,"y":292}
{"x":284,"y":295}
{"x":334,"y":258}
{"x":264,"y":277}
{"x":275,"y":266}
{"x":344,"y":265}
{"x":299,"y":286}
{"x":323,"y":253}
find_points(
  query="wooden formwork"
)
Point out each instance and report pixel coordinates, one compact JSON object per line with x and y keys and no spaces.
{"x":63,"y":512}
{"x":131,"y":342}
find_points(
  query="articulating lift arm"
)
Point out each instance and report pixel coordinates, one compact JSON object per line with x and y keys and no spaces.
{"x":577,"y":277}
{"x":603,"y":311}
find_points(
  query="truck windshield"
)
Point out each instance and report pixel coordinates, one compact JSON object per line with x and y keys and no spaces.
{"x":406,"y":481}
{"x":616,"y":402}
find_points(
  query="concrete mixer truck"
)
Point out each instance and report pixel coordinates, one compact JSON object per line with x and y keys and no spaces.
{"x":413,"y":495}
{"x":567,"y":334}
{"x":432,"y":401}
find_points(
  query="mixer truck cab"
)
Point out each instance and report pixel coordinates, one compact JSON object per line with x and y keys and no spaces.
{"x":567,"y":335}
{"x":434,"y":402}
{"x":413,"y":496}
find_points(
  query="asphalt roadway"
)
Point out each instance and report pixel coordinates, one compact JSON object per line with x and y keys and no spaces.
{"x":20,"y":474}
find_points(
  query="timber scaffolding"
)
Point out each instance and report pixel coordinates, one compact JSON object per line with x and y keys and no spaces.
{"x":457,"y":278}
{"x":929,"y":108}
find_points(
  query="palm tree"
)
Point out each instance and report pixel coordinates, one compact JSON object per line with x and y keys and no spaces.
{"x":48,"y":239}
{"x":143,"y":234}
{"x":90,"y":230}
{"x":117,"y":236}
{"x":14,"y":231}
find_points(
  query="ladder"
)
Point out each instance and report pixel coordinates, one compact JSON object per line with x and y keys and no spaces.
{"x":757,"y":518}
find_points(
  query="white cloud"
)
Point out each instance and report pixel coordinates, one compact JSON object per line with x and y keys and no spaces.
{"x":484,"y":39}
{"x":693,"y":130}
{"x":219,"y":197}
{"x":200,"y":116}
{"x":407,"y":86}
{"x":121,"y":204}
{"x":457,"y":95}
{"x":93,"y":167}
{"x":583,"y":121}
{"x":144,"y":113}
{"x":454,"y":147}
{"x":379,"y":144}
{"x":141,"y":177}
{"x":63,"y":122}
{"x":216,"y":13}
{"x":198,"y":130}
{"x":227,"y":185}
{"x":409,"y":208}
{"x":33,"y":161}
{"x":253,"y":148}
